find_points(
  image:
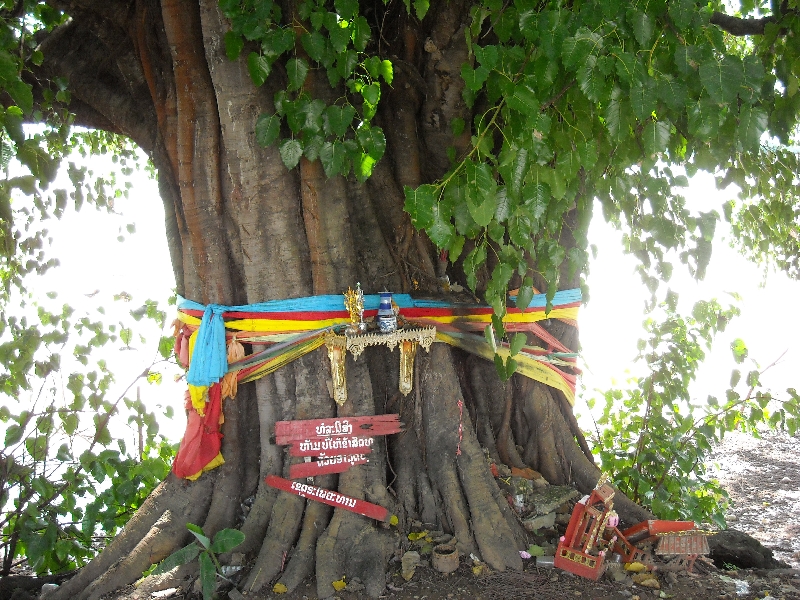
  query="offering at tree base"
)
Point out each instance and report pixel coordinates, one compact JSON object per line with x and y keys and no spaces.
{"x":387,"y":320}
{"x":354,"y":303}
{"x":592,"y":536}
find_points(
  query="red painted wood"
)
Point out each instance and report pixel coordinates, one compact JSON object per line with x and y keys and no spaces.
{"x":312,"y":469}
{"x":304,"y":490}
{"x":288,"y":431}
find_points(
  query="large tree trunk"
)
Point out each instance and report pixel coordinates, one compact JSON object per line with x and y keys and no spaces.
{"x":244,"y":229}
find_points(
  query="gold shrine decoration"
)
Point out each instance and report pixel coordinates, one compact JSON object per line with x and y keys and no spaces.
{"x":407,"y":339}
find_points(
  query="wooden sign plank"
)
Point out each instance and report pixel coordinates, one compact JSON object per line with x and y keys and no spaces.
{"x":332,"y":446}
{"x":304,"y":490}
{"x":287,"y":432}
{"x":325,"y":466}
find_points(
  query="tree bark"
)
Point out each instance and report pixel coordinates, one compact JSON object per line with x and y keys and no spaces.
{"x":243,"y":229}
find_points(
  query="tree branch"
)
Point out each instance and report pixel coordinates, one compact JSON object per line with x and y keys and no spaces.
{"x":739,"y":26}
{"x":106,"y":83}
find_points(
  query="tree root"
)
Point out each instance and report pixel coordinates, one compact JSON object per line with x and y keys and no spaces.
{"x":316,"y":519}
{"x":281,"y":535}
{"x":131,"y":547}
{"x":468,"y":488}
{"x":352,"y":547}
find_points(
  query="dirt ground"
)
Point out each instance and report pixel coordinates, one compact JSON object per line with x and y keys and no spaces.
{"x":763,"y":479}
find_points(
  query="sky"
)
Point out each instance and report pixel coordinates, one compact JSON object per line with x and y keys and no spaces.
{"x":766,"y":323}
{"x":96,"y":266}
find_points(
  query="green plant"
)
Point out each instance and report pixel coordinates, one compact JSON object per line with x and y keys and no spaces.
{"x":206,"y":552}
{"x":68,"y":478}
{"x":656,"y":438}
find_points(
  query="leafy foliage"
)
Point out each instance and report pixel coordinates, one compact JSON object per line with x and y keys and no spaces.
{"x":332,"y":40}
{"x":68,"y":481}
{"x":656,"y":439}
{"x":205,"y":551}
{"x":569,"y":102}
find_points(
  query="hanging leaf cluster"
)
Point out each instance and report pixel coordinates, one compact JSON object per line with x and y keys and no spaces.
{"x":332,"y":40}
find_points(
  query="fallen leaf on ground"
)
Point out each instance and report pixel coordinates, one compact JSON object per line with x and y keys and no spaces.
{"x":647,"y":580}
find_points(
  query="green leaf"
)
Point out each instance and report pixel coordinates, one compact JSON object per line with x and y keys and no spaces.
{"x":523,"y":100}
{"x":643,"y":99}
{"x":481,"y":192}
{"x":655,"y":137}
{"x":682,"y":12}
{"x":226,"y":540}
{"x":338,"y":119}
{"x":197,"y":532}
{"x":291,"y":151}
{"x":520,"y":229}
{"x":419,"y":205}
{"x":208,"y":576}
{"x":441,"y":231}
{"x":346,"y":62}
{"x":346,"y":9}
{"x":576,"y":48}
{"x":673,"y":93}
{"x":296,"y":71}
{"x":371,"y":93}
{"x":361,"y":34}
{"x":642,"y":26}
{"x":739,"y":349}
{"x":722,"y":79}
{"x":64,"y":454}
{"x":13,"y":435}
{"x":22,"y":94}
{"x":486,"y":56}
{"x":617,"y":117}
{"x":258,"y":67}
{"x":181,"y":557}
{"x":421,"y":8}
{"x":591,"y":81}
{"x":70,"y":421}
{"x":752,"y":125}
{"x":268,"y":128}
{"x":387,"y":71}
{"x":628,"y":67}
{"x":372,"y":140}
{"x":703,"y":118}
{"x":9,"y":69}
{"x":332,"y":155}
{"x":525,"y":294}
{"x":488,"y":333}
{"x":339,"y":32}
{"x":234,"y":43}
{"x":518,"y":340}
{"x":536,"y":198}
{"x":514,"y":173}
{"x":315,"y":45}
{"x":474,"y":78}
{"x":472,"y":262}
{"x":36,"y":447}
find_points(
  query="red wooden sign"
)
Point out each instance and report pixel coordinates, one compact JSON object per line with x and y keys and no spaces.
{"x":326,"y":465}
{"x":332,"y":446}
{"x":304,"y":490}
{"x":287,"y":432}
{"x":337,"y":443}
